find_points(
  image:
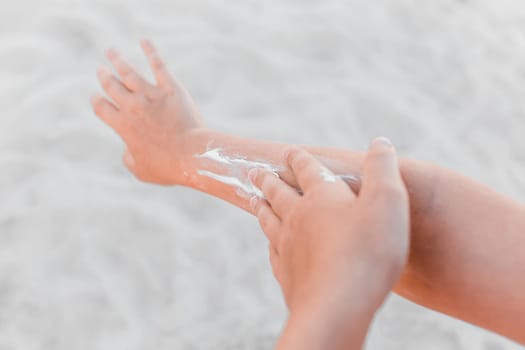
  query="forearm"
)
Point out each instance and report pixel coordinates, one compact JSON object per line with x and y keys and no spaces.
{"x":339,"y":320}
{"x":465,"y":258}
{"x":271,"y":153}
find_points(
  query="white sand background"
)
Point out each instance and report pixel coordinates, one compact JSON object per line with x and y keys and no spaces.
{"x":92,"y":259}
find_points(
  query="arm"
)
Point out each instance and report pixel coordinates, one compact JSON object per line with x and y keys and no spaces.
{"x":466,"y":258}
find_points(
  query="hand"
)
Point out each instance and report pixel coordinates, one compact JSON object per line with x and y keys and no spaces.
{"x":152,"y":119}
{"x":335,"y":253}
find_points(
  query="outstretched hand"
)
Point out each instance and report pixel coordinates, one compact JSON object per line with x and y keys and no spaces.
{"x":152,"y":119}
{"x":336,"y":255}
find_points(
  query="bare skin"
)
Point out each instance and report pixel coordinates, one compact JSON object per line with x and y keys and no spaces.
{"x":336,"y":255}
{"x":466,"y":257}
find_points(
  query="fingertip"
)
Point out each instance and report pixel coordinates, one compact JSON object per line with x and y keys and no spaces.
{"x":381,"y":142}
{"x":380,"y":150}
{"x":95,"y":99}
{"x":290,"y":153}
{"x":104,"y":109}
{"x":381,"y":168}
{"x":146,"y":43}
{"x":111,"y":53}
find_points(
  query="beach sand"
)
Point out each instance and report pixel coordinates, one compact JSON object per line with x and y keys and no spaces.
{"x":92,"y":259}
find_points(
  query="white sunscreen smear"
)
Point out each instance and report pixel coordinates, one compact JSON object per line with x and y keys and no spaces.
{"x":327,"y":175}
{"x":237,"y":168}
{"x":246,"y":187}
{"x":217,"y":155}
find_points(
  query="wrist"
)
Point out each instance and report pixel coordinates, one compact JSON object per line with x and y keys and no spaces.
{"x":327,"y":326}
{"x":335,"y":315}
{"x":189,"y":144}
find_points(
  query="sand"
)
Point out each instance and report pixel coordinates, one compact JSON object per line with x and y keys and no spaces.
{"x":92,"y":259}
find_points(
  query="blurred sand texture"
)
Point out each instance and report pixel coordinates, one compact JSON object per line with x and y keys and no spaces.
{"x":92,"y":259}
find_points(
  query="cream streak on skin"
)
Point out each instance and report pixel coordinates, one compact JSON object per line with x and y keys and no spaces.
{"x":236,"y":165}
{"x":242,"y":183}
{"x":246,"y":188}
{"x":217,"y":155}
{"x":327,"y":175}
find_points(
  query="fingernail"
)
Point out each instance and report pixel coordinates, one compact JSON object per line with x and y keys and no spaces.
{"x":252,"y":174}
{"x":289,"y":151}
{"x":253,"y":202}
{"x":381,"y":142}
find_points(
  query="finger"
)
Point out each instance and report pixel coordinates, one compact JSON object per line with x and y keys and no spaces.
{"x":278,"y":194}
{"x":157,"y":64}
{"x":106,"y":111}
{"x":131,"y":79}
{"x":381,"y":174}
{"x":274,"y":261}
{"x":309,"y":171}
{"x":113,"y":87}
{"x":268,"y":221}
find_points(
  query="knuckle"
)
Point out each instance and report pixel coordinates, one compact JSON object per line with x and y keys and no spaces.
{"x":138,"y":105}
{"x":256,"y":177}
{"x":290,"y":153}
{"x":133,"y":81}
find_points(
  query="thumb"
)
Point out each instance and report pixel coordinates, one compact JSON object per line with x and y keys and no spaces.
{"x":381,"y":174}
